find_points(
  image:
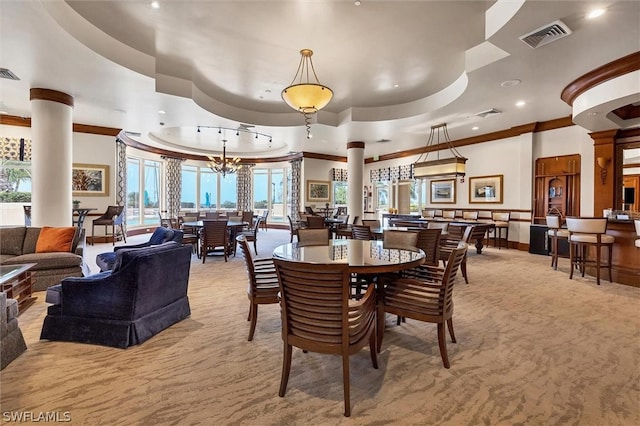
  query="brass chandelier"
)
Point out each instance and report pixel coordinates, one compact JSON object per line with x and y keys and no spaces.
{"x":222,"y":164}
{"x":304,"y":95}
{"x":446,"y":167}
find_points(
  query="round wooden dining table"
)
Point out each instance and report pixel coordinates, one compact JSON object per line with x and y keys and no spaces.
{"x":363,"y":257}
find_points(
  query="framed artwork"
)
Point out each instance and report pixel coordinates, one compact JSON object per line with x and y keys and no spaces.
{"x":443,"y":191}
{"x":318,"y":190}
{"x":485,"y":189}
{"x":90,"y":180}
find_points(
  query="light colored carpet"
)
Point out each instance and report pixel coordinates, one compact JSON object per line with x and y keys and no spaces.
{"x":533,"y":348}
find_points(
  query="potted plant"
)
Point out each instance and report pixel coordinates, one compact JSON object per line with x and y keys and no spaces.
{"x":76,"y":204}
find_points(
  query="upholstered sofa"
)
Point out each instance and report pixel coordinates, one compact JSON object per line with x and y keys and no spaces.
{"x":161,"y":235}
{"x":145,"y":293}
{"x":11,"y":341}
{"x":18,"y":245}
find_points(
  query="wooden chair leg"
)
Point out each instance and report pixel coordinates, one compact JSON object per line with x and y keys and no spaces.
{"x":345,"y":384}
{"x":380,"y":325}
{"x":571,"y":258}
{"x":598,"y":264}
{"x":609,"y":260}
{"x":451,"y":333}
{"x":286,"y":368}
{"x":442,"y":342}
{"x":254,"y":320}
{"x":374,"y":350}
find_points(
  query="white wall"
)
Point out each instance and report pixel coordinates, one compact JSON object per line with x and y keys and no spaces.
{"x":315,"y":169}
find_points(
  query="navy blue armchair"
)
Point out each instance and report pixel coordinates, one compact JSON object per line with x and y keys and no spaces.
{"x":105,"y":261}
{"x":144,"y":294}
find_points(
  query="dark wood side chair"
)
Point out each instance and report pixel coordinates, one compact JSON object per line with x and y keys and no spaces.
{"x":371,"y":223}
{"x":360,"y":232}
{"x":427,"y":300}
{"x":114,"y":217}
{"x":318,"y":316}
{"x":451,"y":242}
{"x":501,"y":222}
{"x":315,"y":222}
{"x":263,"y":222}
{"x":398,"y":239}
{"x":293,"y":228}
{"x":429,"y":242}
{"x":313,"y":236}
{"x":214,"y":238}
{"x":252,"y":235}
{"x":248,"y":217}
{"x":263,"y":282}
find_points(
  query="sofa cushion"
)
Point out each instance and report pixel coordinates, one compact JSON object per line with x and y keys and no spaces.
{"x":44,"y":261}
{"x":124,"y":256}
{"x":31,"y":239}
{"x":56,"y":239}
{"x":160,"y":235}
{"x":11,"y":240}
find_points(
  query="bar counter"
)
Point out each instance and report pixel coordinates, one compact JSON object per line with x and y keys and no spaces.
{"x":626,"y":256}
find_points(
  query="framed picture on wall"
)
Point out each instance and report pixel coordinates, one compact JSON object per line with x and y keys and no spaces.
{"x":90,"y":179}
{"x":443,"y":191}
{"x":318,"y":190}
{"x":485,"y":189}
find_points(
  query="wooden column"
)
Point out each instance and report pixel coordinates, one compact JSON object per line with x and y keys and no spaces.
{"x":604,"y":178}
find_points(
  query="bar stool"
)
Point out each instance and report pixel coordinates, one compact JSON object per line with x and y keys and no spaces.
{"x":584,"y":232}
{"x":637,"y":223}
{"x":501,"y":221}
{"x":555,"y":233}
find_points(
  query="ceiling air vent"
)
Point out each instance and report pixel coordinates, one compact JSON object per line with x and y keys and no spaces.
{"x":547,"y":34}
{"x":6,"y":73}
{"x":486,"y":113}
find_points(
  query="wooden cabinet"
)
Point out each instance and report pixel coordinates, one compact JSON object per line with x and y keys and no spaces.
{"x":556,"y":187}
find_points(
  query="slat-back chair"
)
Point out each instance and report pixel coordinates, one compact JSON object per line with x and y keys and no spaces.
{"x":318,"y":316}
{"x":361,"y":232}
{"x":313,"y":236}
{"x":215,"y":237}
{"x":315,"y":222}
{"x":263,"y":282}
{"x":423,"y":300}
{"x":371,"y":223}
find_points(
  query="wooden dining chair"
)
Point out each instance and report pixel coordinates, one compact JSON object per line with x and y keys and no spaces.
{"x":318,"y":316}
{"x":263,"y":282}
{"x":251,"y":235}
{"x":397,"y":238}
{"x":429,"y":242}
{"x":212,"y":215}
{"x":248,"y":217}
{"x":448,"y":214}
{"x":455,"y":235}
{"x":427,"y":300}
{"x":114,"y":217}
{"x":361,"y":232}
{"x":313,"y":236}
{"x":214,"y":238}
{"x":293,"y":228}
{"x":315,"y":222}
{"x":371,"y":223}
{"x":443,"y":226}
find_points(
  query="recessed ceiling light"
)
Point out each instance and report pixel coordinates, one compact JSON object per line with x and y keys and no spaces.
{"x":155,"y":5}
{"x":162,"y":112}
{"x":520,"y":103}
{"x":510,"y":83}
{"x":595,"y":13}
{"x":396,"y":85}
{"x":593,"y":114}
{"x":357,"y":2}
{"x":475,"y":128}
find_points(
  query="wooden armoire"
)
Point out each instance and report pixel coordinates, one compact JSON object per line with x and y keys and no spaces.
{"x":556,"y":187}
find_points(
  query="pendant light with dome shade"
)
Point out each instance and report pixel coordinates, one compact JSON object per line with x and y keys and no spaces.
{"x":304,"y":95}
{"x":446,"y":167}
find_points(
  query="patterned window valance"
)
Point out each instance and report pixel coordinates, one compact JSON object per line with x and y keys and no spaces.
{"x":338,"y":175}
{"x":402,"y":172}
{"x":10,"y":148}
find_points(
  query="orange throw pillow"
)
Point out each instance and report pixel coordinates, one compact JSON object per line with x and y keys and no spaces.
{"x":55,"y":239}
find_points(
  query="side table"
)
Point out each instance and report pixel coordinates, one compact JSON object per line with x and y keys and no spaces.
{"x":17,"y":282}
